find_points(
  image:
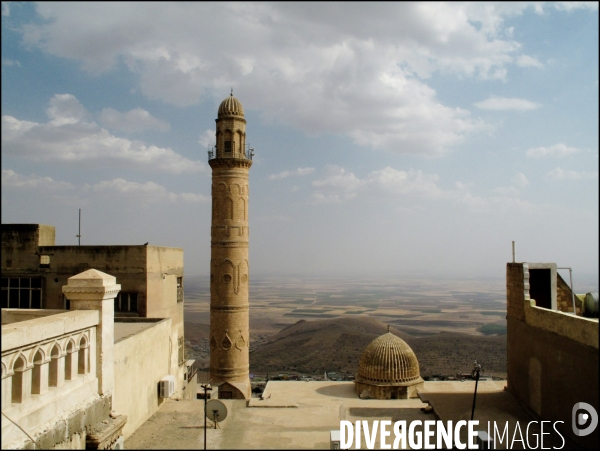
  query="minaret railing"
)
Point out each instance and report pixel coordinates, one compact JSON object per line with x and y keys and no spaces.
{"x":247,"y":155}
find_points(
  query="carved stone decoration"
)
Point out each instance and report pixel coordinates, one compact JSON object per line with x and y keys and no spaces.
{"x":226,"y":343}
{"x":244,"y":278}
{"x":227,"y":278}
{"x":240,"y":343}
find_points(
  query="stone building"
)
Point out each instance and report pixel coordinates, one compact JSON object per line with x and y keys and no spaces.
{"x":147,"y":312}
{"x":34,"y":270}
{"x":388,"y":369}
{"x":552,"y":355}
{"x":229,"y":271}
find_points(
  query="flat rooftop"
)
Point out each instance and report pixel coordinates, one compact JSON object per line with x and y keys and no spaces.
{"x":300,"y":415}
{"x":127,"y":329}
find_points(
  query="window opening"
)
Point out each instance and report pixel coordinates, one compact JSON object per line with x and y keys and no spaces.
{"x":22,"y":292}
{"x":180,"y":289}
{"x":126,"y":302}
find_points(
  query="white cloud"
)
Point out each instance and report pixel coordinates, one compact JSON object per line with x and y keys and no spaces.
{"x":528,"y":61}
{"x":507,"y":191}
{"x":11,"y":179}
{"x":557,"y":150}
{"x":504,"y":103}
{"x":413,"y":182}
{"x":207,"y":139}
{"x":561,"y":174}
{"x":66,"y":109}
{"x":339,"y":185}
{"x":520,"y":180}
{"x":70,"y":137}
{"x":356,"y":71}
{"x":298,"y":172}
{"x":135,"y":120}
{"x":146,"y":193}
{"x":10,"y":63}
{"x":569,"y":6}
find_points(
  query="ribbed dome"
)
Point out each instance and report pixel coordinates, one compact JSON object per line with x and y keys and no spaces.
{"x":388,"y":360}
{"x":231,"y":107}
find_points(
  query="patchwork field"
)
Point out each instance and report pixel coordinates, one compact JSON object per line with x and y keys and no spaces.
{"x":447,"y":322}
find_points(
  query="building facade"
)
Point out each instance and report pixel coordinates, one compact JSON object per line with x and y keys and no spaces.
{"x":229,"y":270}
{"x":34,"y":270}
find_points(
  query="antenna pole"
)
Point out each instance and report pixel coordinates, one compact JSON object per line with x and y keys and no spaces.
{"x":477,"y":368}
{"x":79,"y":234}
{"x":513,"y":245}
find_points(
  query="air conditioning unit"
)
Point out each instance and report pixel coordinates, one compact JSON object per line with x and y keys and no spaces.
{"x":167,"y":386}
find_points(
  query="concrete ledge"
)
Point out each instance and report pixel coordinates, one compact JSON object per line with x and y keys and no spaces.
{"x":15,"y":315}
{"x":576,"y":328}
{"x":281,"y":403}
{"x":25,"y":333}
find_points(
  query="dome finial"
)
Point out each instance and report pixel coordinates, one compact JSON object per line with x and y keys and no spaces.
{"x":231,"y":92}
{"x":388,"y":328}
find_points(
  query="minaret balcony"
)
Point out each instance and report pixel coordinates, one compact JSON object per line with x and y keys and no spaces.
{"x":247,"y":155}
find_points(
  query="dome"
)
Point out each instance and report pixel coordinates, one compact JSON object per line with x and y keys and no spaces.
{"x":231,"y":107}
{"x":388,"y":360}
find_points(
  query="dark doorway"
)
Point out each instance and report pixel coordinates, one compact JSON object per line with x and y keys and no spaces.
{"x":225,"y":395}
{"x":540,"y":287}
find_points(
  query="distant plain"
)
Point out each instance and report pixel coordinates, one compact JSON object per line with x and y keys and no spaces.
{"x":448,"y":322}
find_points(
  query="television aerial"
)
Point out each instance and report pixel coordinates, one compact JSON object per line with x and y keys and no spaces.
{"x":216,"y":411}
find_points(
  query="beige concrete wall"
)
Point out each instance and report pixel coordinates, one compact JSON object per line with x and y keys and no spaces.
{"x":164,"y":266}
{"x":141,"y":360}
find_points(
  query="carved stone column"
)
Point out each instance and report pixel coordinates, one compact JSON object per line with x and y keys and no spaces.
{"x":95,"y":290}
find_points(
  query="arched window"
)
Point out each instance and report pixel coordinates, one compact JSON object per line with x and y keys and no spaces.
{"x":83,"y":356}
{"x":17,"y":380}
{"x":69,"y":361}
{"x":53,"y":373}
{"x":36,"y":377}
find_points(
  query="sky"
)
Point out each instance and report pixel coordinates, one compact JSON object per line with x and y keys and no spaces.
{"x":391,"y":139}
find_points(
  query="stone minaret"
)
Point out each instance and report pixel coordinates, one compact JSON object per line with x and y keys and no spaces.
{"x":229,"y":274}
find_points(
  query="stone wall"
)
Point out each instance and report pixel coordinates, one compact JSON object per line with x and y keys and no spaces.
{"x":564,"y":300}
{"x":126,"y":263}
{"x":552,"y":357}
{"x":20,"y":244}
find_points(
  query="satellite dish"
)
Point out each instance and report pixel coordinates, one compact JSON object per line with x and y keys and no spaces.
{"x":216,"y":410}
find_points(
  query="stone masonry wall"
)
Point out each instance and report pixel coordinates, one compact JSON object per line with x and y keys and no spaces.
{"x":564,"y":301}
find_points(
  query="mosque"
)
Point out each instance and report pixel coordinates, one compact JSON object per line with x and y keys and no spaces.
{"x":68,"y":380}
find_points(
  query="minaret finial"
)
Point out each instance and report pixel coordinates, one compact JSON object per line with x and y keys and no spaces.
{"x":231,"y":92}
{"x":388,"y":328}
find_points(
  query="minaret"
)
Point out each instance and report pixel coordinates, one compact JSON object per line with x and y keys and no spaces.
{"x":229,"y":273}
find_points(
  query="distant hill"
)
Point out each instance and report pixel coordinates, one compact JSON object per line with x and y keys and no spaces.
{"x":336,"y":345}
